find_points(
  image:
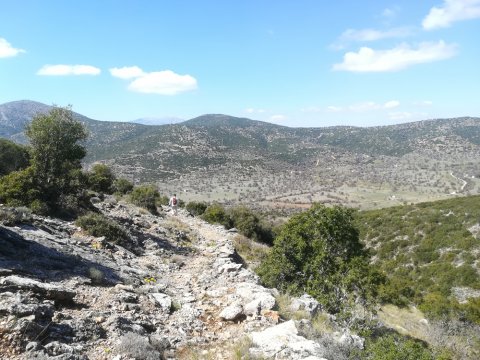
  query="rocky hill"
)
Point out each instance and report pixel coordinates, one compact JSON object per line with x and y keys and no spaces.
{"x":177,"y":290}
{"x":223,"y":158}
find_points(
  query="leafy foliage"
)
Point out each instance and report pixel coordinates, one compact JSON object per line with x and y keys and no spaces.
{"x":427,"y":250}
{"x":122,"y":186}
{"x":395,"y":347}
{"x":145,"y":196}
{"x":98,"y":225}
{"x":250,"y":225}
{"x":56,"y":150}
{"x":319,"y":252}
{"x":216,"y":214}
{"x":101,"y":179}
{"x":13,"y":157}
{"x":18,"y":188}
{"x":196,"y":208}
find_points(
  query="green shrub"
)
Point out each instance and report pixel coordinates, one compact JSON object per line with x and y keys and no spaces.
{"x":319,"y":252}
{"x":101,"y":179}
{"x":196,"y":208}
{"x":420,"y":247}
{"x":216,"y":214}
{"x":122,"y":186}
{"x":164,"y":200}
{"x":245,"y":221}
{"x":13,"y":157}
{"x":98,"y":225}
{"x":250,"y":225}
{"x":13,"y":216}
{"x":146,"y":196}
{"x":19,"y":188}
{"x":395,"y":347}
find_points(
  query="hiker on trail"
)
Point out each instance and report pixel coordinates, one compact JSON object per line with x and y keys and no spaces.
{"x":173,"y":204}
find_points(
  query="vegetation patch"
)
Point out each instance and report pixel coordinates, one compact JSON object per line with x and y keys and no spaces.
{"x":319,"y":252}
{"x":98,"y":225}
{"x":427,"y":250}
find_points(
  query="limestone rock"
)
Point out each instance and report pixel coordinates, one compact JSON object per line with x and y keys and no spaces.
{"x":283,"y":342}
{"x":232,"y":312}
{"x":163,"y":300}
{"x":305,"y":303}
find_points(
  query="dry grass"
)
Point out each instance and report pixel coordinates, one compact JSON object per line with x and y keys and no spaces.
{"x":239,"y":350}
{"x":252,"y":252}
{"x":407,"y":321}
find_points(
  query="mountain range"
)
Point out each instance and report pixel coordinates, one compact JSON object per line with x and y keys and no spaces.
{"x":224,"y":158}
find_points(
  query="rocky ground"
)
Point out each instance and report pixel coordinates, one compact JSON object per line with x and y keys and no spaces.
{"x":180,"y":291}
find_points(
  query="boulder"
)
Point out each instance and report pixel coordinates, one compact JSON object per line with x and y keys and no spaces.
{"x":305,"y":303}
{"x":283,"y":342}
{"x":162,"y":300}
{"x":232,"y":312}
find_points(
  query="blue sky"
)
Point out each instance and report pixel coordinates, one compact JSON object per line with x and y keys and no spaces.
{"x":295,"y":63}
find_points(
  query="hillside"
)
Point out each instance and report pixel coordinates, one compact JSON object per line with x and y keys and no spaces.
{"x":431,"y":253}
{"x":223,"y":158}
{"x":175,"y":289}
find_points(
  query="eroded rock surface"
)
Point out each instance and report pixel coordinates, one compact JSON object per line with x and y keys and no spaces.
{"x":177,"y":288}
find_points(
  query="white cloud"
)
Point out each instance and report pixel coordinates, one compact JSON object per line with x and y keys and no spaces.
{"x":401,"y":57}
{"x":369,"y":35}
{"x":127,"y":72}
{"x":373,"y":35}
{"x":7,"y":50}
{"x":389,"y":13}
{"x":163,"y":82}
{"x":450,"y":12}
{"x":391,"y":104}
{"x":62,"y":70}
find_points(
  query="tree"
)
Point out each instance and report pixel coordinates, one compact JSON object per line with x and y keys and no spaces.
{"x":319,"y":252}
{"x":57,"y":150}
{"x":13,"y":157}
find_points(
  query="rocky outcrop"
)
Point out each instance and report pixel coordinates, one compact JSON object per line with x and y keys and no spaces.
{"x":177,"y":286}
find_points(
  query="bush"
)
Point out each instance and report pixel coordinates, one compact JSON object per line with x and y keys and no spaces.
{"x":19,"y":188}
{"x":13,"y":157}
{"x":146,"y":196}
{"x":13,"y":216}
{"x":249,"y":224}
{"x":319,"y":252}
{"x":98,"y":225}
{"x":196,"y":208}
{"x":122,"y":186}
{"x":395,"y":347}
{"x":216,"y":214}
{"x":164,"y":200}
{"x":101,"y":179}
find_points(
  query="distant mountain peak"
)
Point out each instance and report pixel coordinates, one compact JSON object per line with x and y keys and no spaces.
{"x":214,"y":120}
